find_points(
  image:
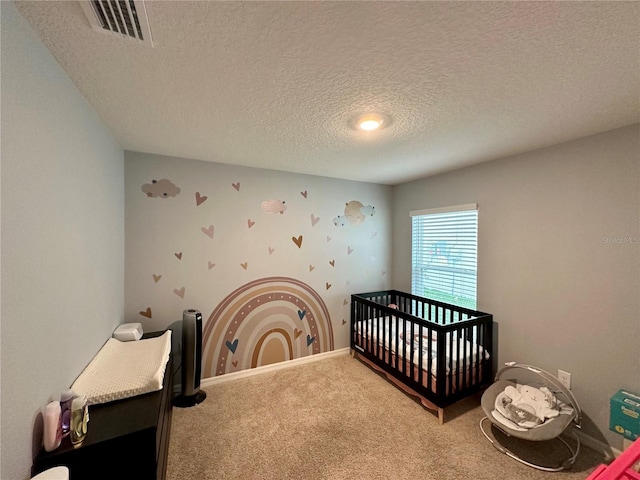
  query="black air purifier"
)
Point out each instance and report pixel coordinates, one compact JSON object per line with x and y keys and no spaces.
{"x":191,"y":360}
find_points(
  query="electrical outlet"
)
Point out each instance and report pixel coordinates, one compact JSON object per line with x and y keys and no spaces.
{"x":565,"y":378}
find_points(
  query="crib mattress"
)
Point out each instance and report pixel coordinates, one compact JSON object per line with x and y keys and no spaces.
{"x":124,"y":369}
{"x":463,"y":352}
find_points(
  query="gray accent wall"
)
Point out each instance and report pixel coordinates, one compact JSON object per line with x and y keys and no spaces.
{"x":216,"y":235}
{"x":62,"y":194}
{"x":559,"y":259}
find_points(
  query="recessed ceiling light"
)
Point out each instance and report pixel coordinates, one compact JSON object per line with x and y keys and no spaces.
{"x":369,"y":122}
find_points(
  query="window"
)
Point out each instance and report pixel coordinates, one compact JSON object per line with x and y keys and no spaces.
{"x":444,"y":254}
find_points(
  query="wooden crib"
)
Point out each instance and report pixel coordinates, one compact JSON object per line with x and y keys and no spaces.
{"x":435,"y":351}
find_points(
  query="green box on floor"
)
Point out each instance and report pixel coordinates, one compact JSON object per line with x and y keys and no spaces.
{"x":625,"y":414}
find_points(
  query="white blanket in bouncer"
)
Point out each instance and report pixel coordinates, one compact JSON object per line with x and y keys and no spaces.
{"x":524,"y":407}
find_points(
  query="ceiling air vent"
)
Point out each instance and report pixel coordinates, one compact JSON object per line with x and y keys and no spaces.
{"x":125,"y":18}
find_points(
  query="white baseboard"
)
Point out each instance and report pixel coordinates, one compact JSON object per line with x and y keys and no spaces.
{"x":228,"y":377}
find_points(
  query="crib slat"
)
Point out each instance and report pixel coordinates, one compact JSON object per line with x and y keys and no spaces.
{"x":411,"y":348}
{"x":450,"y":338}
{"x":420,"y":356}
{"x":403,"y":363}
{"x":430,"y":358}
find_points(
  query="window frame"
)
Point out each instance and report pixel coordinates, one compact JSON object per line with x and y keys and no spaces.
{"x":467,"y":241}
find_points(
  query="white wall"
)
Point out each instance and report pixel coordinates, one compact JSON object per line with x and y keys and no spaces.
{"x":559,"y":259}
{"x":62,"y":235}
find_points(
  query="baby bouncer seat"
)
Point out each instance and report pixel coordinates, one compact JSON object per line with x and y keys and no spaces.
{"x":539,"y":410}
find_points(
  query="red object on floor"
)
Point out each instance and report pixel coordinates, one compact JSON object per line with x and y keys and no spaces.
{"x":620,"y":468}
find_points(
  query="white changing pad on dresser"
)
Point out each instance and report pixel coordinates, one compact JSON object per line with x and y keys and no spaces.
{"x":124,"y":369}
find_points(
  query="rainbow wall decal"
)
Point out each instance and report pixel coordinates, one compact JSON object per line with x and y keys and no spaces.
{"x":266,"y":321}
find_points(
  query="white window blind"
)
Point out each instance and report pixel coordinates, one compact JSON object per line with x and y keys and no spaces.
{"x":444,"y":254}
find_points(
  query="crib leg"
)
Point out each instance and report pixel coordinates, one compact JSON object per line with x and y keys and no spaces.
{"x":440,"y":416}
{"x":352,"y":352}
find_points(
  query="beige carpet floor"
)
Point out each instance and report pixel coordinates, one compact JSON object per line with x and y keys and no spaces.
{"x":337,"y":419}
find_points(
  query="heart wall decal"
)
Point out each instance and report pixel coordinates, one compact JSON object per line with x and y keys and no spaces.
{"x":296,"y":333}
{"x":297,"y":240}
{"x":232,"y":346}
{"x":180,"y":292}
{"x":200,"y":199}
{"x":236,"y":186}
{"x":178,"y":255}
{"x":250,"y":223}
{"x":314,"y":220}
{"x":146,"y":313}
{"x":310,"y":340}
{"x":208,"y":231}
{"x":156,"y":278}
{"x":304,"y":194}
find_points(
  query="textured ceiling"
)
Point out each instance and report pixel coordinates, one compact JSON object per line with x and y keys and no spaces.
{"x":277,"y":84}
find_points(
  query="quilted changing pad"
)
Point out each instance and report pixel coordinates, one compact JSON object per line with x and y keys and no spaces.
{"x":124,"y":369}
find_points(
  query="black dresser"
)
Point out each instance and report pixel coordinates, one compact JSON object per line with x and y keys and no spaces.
{"x":126,"y":439}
